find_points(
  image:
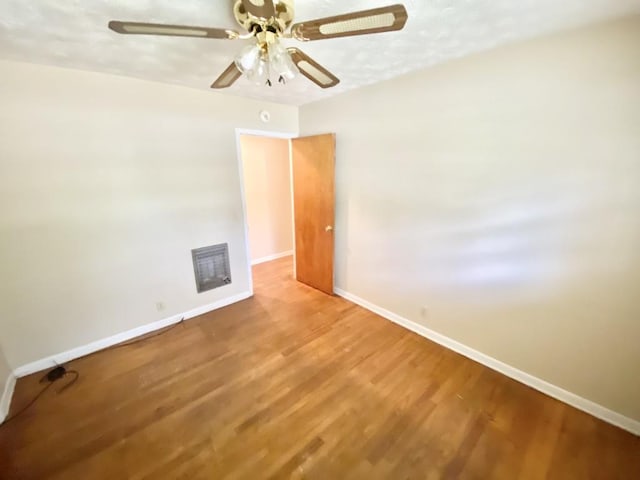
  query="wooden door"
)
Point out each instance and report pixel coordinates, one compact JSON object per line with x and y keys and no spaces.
{"x":313,"y":163}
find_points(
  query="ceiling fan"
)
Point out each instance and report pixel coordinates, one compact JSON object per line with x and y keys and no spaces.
{"x":267,"y":21}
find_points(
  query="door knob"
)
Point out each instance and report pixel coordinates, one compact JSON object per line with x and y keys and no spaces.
{"x":328,"y":228}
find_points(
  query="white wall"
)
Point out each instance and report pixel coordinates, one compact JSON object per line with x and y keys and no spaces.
{"x":106,"y":184}
{"x":501,"y":192}
{"x":267,"y":187}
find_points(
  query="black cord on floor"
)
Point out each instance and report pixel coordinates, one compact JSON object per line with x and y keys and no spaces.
{"x":51,"y":377}
{"x":60,"y":371}
{"x":28,"y":405}
{"x":75,"y":374}
{"x":146,"y":337}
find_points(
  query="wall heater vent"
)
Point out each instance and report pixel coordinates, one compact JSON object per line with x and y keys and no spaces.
{"x":211,"y":266}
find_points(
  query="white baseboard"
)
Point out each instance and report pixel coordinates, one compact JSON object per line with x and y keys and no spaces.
{"x":92,"y":347}
{"x":7,"y":394}
{"x":268,"y":258}
{"x":547,"y":388}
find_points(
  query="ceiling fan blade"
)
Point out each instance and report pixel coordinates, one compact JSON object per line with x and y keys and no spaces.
{"x":260,"y":8}
{"x":136,"y":28}
{"x":312,"y":69}
{"x":226,"y":78}
{"x":376,"y":20}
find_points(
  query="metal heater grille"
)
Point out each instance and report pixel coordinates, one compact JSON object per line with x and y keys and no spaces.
{"x":211,"y":266}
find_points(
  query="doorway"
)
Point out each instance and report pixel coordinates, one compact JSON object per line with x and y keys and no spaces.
{"x":266,"y":176}
{"x":288,"y":203}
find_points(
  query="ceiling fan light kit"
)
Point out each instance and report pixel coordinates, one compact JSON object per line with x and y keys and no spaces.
{"x":267,"y":61}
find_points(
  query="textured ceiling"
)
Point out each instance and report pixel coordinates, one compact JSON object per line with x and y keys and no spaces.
{"x":74,"y":34}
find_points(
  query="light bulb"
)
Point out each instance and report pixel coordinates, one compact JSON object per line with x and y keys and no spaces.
{"x":248,"y":58}
{"x":280,"y":61}
{"x":289,"y":68}
{"x":260,"y":73}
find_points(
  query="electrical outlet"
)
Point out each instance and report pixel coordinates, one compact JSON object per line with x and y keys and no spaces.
{"x":160,"y":306}
{"x":424,"y":312}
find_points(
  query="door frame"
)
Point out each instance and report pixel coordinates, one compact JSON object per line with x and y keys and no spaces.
{"x":269,"y":134}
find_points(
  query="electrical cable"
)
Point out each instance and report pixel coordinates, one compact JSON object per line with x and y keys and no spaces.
{"x":60,"y":372}
{"x":28,"y":405}
{"x":146,"y":337}
{"x":52,"y":376}
{"x":74,"y":380}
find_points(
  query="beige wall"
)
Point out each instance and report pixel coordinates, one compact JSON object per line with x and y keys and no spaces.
{"x":267,"y":186}
{"x":5,"y":370}
{"x":106,"y":184}
{"x":5,"y":397}
{"x":501,"y":192}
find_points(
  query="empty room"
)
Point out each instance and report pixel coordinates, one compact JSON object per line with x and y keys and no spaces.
{"x":253,"y":239}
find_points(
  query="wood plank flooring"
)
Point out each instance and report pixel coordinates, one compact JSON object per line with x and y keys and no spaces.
{"x":293,"y":383}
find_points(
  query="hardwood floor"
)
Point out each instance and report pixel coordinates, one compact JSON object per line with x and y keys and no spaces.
{"x":296,"y":384}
